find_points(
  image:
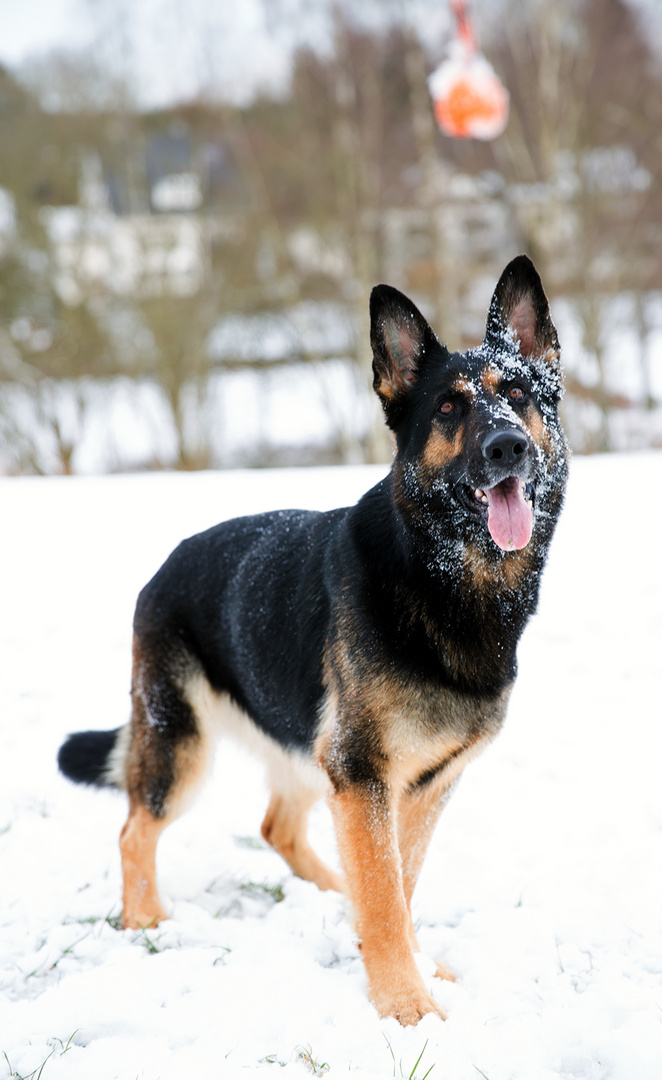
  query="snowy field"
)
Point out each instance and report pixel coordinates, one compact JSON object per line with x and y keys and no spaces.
{"x":543,"y":885}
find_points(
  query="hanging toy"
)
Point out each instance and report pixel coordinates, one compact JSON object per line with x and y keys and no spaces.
{"x":469,"y":100}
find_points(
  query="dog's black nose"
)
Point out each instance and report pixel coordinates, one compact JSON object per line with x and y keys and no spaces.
{"x":505,"y":447}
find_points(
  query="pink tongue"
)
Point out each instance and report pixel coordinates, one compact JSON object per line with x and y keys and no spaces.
{"x":509,"y":517}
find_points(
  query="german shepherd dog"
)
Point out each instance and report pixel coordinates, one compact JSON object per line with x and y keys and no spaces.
{"x":368,"y":652}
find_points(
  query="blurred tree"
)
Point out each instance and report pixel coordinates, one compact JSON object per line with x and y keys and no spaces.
{"x":580,"y":152}
{"x":44,"y":340}
{"x":180,"y":327}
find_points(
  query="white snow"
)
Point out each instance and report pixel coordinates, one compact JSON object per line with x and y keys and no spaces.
{"x":541,"y":890}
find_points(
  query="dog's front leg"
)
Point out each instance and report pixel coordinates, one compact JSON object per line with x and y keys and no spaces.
{"x":365,"y":824}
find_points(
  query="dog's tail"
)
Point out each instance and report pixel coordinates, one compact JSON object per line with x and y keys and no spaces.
{"x":95,"y":757}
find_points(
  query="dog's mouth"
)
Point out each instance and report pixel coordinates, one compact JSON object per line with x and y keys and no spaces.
{"x":508,"y":509}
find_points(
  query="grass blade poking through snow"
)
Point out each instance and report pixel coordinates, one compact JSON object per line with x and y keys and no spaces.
{"x":412,"y":1075}
{"x":36,"y":1074}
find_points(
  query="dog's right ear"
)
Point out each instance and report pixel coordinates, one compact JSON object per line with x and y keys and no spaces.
{"x":401,"y":341}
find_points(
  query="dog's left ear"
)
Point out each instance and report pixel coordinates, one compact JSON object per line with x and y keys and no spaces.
{"x":401,"y":342}
{"x":519,"y":303}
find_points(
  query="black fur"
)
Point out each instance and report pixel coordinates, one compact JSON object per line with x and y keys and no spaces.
{"x":83,"y":757}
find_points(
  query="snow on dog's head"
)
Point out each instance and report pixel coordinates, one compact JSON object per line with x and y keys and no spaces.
{"x":477,"y":432}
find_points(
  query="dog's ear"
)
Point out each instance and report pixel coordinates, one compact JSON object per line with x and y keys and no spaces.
{"x":401,"y":342}
{"x":519,"y":304}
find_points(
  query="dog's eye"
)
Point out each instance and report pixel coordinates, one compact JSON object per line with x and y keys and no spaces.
{"x":447,"y":407}
{"x":516,"y":393}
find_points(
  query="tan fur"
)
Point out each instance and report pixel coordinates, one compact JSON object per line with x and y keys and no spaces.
{"x":284,"y":827}
{"x":418,"y":814}
{"x":367,"y":838}
{"x":491,"y":379}
{"x":404,"y":720}
{"x":463,"y":385}
{"x":440,"y":450}
{"x":117,"y":760}
{"x":133,"y":757}
{"x":412,"y":751}
{"x":384,"y":388}
{"x":508,"y":574}
{"x":142,"y":905}
{"x":535,"y":425}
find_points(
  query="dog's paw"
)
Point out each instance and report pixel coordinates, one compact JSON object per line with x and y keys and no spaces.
{"x":142,"y":919}
{"x":408,"y":1010}
{"x":442,"y":972}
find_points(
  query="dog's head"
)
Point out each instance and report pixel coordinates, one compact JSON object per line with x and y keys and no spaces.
{"x":481,"y":455}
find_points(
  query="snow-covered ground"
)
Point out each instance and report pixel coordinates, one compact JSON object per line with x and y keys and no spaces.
{"x":543,"y":885}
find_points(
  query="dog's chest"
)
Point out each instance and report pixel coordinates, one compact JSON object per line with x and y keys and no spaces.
{"x":402,"y":733}
{"x":435,"y":733}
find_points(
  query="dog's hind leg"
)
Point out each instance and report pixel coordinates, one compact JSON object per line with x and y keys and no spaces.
{"x":141,"y":904}
{"x":285,"y":828}
{"x":418,"y":814}
{"x":166,"y":759}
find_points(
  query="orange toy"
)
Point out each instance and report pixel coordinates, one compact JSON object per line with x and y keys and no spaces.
{"x":469,"y":100}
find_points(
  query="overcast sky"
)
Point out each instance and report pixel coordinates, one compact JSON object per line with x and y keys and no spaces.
{"x":173,"y":45}
{"x":28,"y":26}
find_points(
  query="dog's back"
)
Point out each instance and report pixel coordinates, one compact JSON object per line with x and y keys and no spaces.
{"x":245,"y":605}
